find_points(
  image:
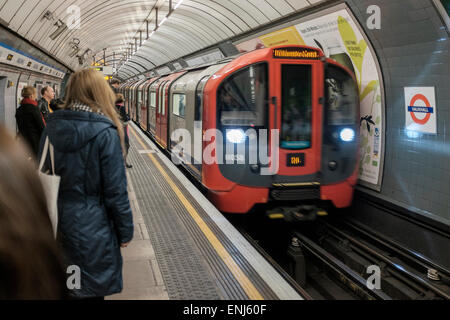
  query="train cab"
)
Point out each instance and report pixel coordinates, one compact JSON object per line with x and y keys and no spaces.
{"x":295,"y":114}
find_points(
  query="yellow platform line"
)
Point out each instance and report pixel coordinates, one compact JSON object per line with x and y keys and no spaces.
{"x":240,"y":276}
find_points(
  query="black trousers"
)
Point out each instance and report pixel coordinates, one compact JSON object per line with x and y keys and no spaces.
{"x":126,"y":138}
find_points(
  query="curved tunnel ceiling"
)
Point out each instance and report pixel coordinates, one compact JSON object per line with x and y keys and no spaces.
{"x":115,"y":24}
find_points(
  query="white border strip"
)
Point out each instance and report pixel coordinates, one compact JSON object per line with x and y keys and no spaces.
{"x":268,"y":273}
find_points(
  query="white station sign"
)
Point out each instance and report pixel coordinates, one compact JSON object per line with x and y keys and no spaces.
{"x":421,"y":109}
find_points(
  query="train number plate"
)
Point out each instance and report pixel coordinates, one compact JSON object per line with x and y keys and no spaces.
{"x":296,"y":160}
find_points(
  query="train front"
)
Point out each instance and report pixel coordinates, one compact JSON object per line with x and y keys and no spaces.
{"x":287,"y":132}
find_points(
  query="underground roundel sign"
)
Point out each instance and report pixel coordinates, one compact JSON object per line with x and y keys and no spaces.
{"x":421,"y":109}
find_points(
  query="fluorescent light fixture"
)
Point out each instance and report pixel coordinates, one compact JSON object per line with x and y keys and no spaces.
{"x":61,"y":28}
{"x":161,"y":23}
{"x":74,"y":53}
{"x":178,"y":4}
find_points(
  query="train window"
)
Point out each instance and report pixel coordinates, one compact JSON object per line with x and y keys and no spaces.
{"x":139,"y":98}
{"x":164,"y":91}
{"x":179,"y":104}
{"x":342,"y":97}
{"x":161,"y":90}
{"x":243,"y":98}
{"x":199,"y":98}
{"x":152,"y":99}
{"x":296,"y":106}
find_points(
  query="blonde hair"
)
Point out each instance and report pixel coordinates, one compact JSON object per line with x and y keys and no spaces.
{"x":28,"y":92}
{"x":90,"y":88}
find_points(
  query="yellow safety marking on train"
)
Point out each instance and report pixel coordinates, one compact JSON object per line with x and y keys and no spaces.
{"x":245,"y":282}
{"x":275,"y":216}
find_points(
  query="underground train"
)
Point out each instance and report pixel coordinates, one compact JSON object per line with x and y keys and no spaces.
{"x":276,"y":126}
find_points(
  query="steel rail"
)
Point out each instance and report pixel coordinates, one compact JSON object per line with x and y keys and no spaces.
{"x":396,"y":266}
{"x":339,"y":267}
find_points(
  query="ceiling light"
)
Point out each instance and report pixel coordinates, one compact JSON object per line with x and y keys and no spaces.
{"x":178,"y":4}
{"x":61,"y":28}
{"x":164,"y":20}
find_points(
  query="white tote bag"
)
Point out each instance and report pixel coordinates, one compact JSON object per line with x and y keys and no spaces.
{"x":50,"y":182}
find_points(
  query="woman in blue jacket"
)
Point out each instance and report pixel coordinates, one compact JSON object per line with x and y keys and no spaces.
{"x":95,"y":218}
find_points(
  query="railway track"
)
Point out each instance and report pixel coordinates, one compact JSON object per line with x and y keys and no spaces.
{"x":339,"y":259}
{"x":370,"y":266}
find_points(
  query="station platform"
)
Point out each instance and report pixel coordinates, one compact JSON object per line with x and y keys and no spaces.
{"x":184,"y":248}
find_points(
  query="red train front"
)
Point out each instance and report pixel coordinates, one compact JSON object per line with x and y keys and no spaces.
{"x":279,"y":126}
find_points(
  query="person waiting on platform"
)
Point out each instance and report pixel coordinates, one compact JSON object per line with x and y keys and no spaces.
{"x":120,"y":106}
{"x":30,"y":122}
{"x":56,"y":104}
{"x":115,"y":84}
{"x":94,"y":211}
{"x":31,"y":265}
{"x":48,"y":94}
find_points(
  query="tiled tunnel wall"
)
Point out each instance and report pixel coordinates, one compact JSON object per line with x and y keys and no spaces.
{"x":413,"y":48}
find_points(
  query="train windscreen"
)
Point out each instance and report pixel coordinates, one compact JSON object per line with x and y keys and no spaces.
{"x":243,"y":98}
{"x":296,"y":106}
{"x":342,"y":97}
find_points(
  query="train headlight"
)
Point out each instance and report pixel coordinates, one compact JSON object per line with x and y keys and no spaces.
{"x":333,"y":165}
{"x":236,"y":136}
{"x":347,"y":135}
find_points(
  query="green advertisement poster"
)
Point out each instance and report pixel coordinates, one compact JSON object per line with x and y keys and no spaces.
{"x":340,"y":38}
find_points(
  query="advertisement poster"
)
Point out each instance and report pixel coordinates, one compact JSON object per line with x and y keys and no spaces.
{"x":20,"y":87}
{"x":339,"y":37}
{"x":39,"y":87}
{"x":56,"y":88}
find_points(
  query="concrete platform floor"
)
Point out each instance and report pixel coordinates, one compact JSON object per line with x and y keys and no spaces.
{"x":142,"y":279}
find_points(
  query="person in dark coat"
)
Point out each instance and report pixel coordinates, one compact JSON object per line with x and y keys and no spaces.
{"x":56,"y":104}
{"x":48,"y":94}
{"x":29,"y":120}
{"x":120,"y":107}
{"x":95,"y":218}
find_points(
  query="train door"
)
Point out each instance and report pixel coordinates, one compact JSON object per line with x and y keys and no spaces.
{"x":296,"y":90}
{"x":164,"y":114}
{"x":159,"y":110}
{"x":198,"y":117}
{"x":144,"y":107}
{"x":138,"y":104}
{"x":129,"y":100}
{"x":134,"y":105}
{"x":152,"y":108}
